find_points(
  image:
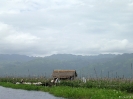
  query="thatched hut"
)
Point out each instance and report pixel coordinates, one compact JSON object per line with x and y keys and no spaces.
{"x":64,"y":74}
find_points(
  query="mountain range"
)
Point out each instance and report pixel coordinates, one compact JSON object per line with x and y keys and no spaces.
{"x":103,"y":65}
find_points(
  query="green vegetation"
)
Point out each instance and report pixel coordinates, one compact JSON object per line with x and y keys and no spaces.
{"x":20,"y":86}
{"x":92,"y":89}
{"x":25,"y":79}
{"x":85,"y":93}
{"x":116,"y":84}
{"x":71,"y":92}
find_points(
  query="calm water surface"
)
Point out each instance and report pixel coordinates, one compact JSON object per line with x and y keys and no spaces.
{"x":8,"y":93}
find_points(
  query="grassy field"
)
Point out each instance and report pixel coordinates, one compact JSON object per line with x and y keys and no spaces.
{"x":125,"y":85}
{"x":85,"y":93}
{"x":76,"y":89}
{"x":74,"y":92}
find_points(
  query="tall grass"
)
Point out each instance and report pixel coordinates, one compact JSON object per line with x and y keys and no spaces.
{"x":85,"y":93}
{"x":117,"y":84}
{"x":76,"y":89}
{"x":72,"y":92}
{"x":26,"y":79}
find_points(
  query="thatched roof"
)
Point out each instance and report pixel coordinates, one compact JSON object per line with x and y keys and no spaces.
{"x":64,"y":73}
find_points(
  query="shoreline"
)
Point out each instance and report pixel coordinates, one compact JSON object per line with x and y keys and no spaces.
{"x":72,"y":92}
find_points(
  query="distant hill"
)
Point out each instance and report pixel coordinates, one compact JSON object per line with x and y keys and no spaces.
{"x":103,"y":65}
{"x":15,"y":57}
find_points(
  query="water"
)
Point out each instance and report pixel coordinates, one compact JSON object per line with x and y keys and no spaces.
{"x":8,"y":93}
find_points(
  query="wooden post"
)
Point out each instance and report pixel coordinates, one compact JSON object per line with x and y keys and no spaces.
{"x":131,"y":71}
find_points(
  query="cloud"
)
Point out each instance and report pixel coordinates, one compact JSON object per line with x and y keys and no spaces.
{"x":37,"y":27}
{"x":11,"y":39}
{"x":115,"y":45}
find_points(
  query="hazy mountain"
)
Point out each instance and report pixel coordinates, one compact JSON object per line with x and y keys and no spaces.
{"x":15,"y":57}
{"x":103,"y":65}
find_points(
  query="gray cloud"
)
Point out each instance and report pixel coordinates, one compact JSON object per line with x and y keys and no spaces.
{"x":48,"y":27}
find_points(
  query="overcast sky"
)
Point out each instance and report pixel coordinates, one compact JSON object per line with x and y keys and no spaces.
{"x":81,"y":27}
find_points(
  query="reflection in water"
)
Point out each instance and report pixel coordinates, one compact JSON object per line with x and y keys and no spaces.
{"x":8,"y":93}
